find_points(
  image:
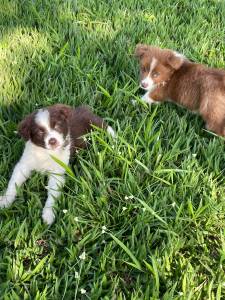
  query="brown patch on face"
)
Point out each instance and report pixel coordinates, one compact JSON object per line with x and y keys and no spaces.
{"x":37,"y":134}
{"x":28,"y":129}
{"x":24,"y":127}
{"x":59,"y":117}
{"x":167,"y":62}
{"x":144,"y":67}
{"x":161,"y":74}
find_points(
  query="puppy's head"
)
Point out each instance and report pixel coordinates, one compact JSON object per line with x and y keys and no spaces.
{"x":156,"y":65}
{"x":47,"y":127}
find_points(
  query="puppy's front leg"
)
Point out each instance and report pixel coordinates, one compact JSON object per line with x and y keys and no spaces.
{"x":55,"y":183}
{"x":146,"y":98}
{"x":20,"y":173}
{"x":155,"y":96}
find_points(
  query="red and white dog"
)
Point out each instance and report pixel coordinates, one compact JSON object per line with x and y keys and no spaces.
{"x":52,"y":131}
{"x":168,"y":75}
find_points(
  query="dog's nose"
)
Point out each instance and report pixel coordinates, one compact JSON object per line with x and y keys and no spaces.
{"x":52,"y":141}
{"x":144,"y":85}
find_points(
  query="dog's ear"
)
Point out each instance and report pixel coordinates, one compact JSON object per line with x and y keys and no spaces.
{"x":175,"y":60}
{"x":24,"y":127}
{"x":63,"y":111}
{"x":140,"y":50}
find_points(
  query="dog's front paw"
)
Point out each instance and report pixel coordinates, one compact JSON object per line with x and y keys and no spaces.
{"x":147,"y":99}
{"x":48,"y":215}
{"x":5,"y":201}
{"x":111,"y":132}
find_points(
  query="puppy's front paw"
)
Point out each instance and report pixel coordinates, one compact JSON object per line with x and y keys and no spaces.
{"x":111,"y":132}
{"x":5,"y":201}
{"x":48,"y":215}
{"x":146,"y":98}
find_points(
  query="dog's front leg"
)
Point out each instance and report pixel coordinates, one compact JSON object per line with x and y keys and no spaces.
{"x":156,"y":96}
{"x":147,"y":98}
{"x":55,"y":184}
{"x":20,"y":173}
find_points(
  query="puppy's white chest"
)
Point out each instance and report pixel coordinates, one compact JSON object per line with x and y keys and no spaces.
{"x":49,"y":164}
{"x":42,"y":160}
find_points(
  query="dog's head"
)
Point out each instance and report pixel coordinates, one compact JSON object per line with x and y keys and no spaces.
{"x":156,"y":65}
{"x":47,"y":127}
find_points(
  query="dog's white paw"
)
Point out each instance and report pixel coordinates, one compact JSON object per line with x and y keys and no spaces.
{"x":5,"y":201}
{"x":149,"y":100}
{"x":111,"y":132}
{"x":48,"y":215}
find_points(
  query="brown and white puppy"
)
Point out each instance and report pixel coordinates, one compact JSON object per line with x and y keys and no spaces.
{"x":54,"y":131}
{"x":168,"y":75}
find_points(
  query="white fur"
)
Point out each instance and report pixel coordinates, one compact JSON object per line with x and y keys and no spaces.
{"x":39,"y":159}
{"x":111,"y":131}
{"x":150,"y":83}
{"x":153,"y":64}
{"x":148,"y":100}
{"x":177,"y":54}
{"x":148,"y":79}
{"x":43,"y":119}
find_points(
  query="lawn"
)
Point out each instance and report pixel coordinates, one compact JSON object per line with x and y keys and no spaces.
{"x":142,"y":217}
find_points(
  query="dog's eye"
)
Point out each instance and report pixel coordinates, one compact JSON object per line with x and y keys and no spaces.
{"x":155,"y":74}
{"x":40,"y":131}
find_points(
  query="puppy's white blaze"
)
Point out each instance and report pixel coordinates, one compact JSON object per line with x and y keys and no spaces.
{"x":43,"y":119}
{"x":111,"y":131}
{"x":153,"y":64}
{"x":148,"y":79}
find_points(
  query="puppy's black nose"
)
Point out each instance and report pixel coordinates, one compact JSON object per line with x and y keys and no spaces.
{"x":52,"y":141}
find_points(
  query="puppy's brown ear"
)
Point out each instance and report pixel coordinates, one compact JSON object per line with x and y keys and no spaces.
{"x":64,"y":111}
{"x":140,"y":50}
{"x":175,"y":60}
{"x":24,"y":127}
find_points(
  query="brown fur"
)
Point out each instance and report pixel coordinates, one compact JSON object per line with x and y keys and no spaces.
{"x":77,"y":121}
{"x":81,"y":121}
{"x":194,"y":86}
{"x":24,"y":128}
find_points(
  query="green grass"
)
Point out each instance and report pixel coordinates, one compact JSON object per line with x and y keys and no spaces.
{"x":148,"y":209}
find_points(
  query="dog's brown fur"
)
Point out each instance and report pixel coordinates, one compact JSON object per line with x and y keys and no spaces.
{"x":64,"y":119}
{"x":192,"y":85}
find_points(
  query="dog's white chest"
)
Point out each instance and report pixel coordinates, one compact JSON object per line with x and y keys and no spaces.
{"x":42,"y":160}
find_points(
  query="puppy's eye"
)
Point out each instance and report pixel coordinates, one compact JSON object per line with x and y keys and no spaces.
{"x":155,"y":74}
{"x":40,"y":131}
